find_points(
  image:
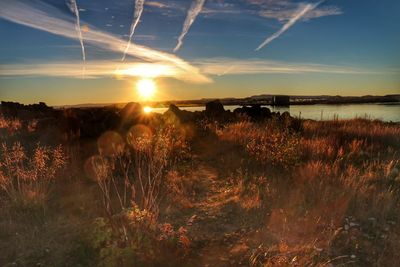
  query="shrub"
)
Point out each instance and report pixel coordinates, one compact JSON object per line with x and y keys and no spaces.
{"x":130,"y":176}
{"x":132,"y":171}
{"x":26,"y":178}
{"x":135,"y":237}
{"x":11,"y":126}
{"x":268,"y":143}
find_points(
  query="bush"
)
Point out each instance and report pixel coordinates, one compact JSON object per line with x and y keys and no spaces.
{"x":130,"y":175}
{"x":26,"y":178}
{"x":268,"y":143}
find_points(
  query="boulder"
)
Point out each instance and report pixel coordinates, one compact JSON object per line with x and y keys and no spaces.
{"x":175,"y":114}
{"x":214,"y":109}
{"x":255,"y":112}
{"x":131,"y":110}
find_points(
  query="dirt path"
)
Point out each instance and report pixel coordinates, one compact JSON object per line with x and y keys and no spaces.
{"x":217,"y":226}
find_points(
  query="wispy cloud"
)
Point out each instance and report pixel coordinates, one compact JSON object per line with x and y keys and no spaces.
{"x":210,"y":66}
{"x":214,"y":8}
{"x":284,"y":10}
{"x":95,"y":69}
{"x":192,"y":14}
{"x":159,"y":4}
{"x":298,"y":15}
{"x":284,"y":15}
{"x":74,"y":9}
{"x":230,"y":66}
{"x":47,"y":18}
{"x":136,"y":18}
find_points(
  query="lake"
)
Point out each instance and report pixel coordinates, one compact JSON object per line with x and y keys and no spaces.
{"x":384,"y":112}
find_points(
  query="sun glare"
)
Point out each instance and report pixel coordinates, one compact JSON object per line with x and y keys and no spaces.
{"x":146,"y":88}
{"x":147,"y":70}
{"x":147,"y":109}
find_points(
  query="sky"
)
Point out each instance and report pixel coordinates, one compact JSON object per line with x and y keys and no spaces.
{"x":83,"y":51}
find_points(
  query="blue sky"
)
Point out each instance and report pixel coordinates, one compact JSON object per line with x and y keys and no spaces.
{"x":346,"y":47}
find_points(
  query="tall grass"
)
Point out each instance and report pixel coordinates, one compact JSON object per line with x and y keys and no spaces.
{"x":133,"y":170}
{"x":130,"y":174}
{"x":332,"y":174}
{"x":26,"y":178}
{"x":268,"y":143}
{"x":10,"y":126}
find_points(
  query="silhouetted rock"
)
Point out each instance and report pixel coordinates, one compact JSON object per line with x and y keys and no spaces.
{"x":174,"y":113}
{"x":131,"y":110}
{"x":290,"y":122}
{"x":174,"y":109}
{"x":131,"y":114}
{"x":255,"y":112}
{"x":15,"y":109}
{"x":214,"y":109}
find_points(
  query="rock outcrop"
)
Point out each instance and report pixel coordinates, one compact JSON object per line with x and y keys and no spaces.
{"x":214,"y":109}
{"x":255,"y":112}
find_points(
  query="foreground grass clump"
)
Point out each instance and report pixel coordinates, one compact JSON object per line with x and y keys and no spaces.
{"x":268,"y":143}
{"x":26,"y":178}
{"x":130,"y":175}
{"x":10,"y":126}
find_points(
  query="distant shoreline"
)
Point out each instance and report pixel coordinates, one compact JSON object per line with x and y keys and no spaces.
{"x":262,"y":100}
{"x":294,"y":101}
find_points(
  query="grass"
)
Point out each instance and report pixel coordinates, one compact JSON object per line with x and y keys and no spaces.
{"x":26,"y":179}
{"x":322,"y":184}
{"x":274,"y":193}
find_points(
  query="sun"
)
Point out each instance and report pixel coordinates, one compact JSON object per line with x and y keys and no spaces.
{"x":146,"y":88}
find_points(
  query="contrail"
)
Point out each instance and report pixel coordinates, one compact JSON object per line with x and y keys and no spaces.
{"x":136,"y":18}
{"x":227,"y":70}
{"x":290,"y":23}
{"x":75,"y":10}
{"x":194,"y":10}
{"x":47,"y":18}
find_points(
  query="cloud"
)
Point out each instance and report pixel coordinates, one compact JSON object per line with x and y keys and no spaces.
{"x":48,"y":18}
{"x":298,"y":15}
{"x":193,"y":11}
{"x":230,"y":66}
{"x":221,"y":8}
{"x":95,"y":69}
{"x":285,"y":15}
{"x":284,"y":10}
{"x":74,"y":9}
{"x":210,"y":66}
{"x":158,"y":4}
{"x":136,"y":18}
{"x":171,"y":9}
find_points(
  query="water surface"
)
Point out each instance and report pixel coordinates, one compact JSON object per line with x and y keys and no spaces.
{"x":384,"y":112}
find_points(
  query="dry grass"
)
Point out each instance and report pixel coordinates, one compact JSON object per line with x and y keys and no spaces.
{"x":332,"y":175}
{"x":133,"y":170}
{"x":131,"y":177}
{"x":268,"y":143}
{"x":10,"y":126}
{"x":319,"y":194}
{"x":26,"y":178}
